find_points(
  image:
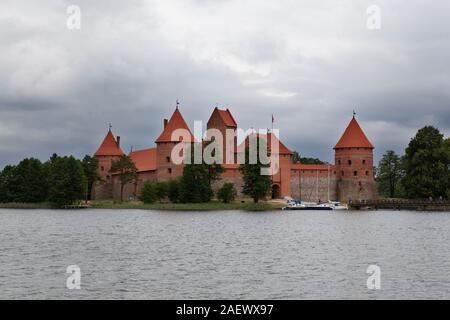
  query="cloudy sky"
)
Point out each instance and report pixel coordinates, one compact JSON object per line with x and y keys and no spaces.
{"x":310,"y":63}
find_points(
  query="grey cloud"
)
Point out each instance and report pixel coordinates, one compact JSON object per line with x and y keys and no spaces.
{"x":310,"y":64}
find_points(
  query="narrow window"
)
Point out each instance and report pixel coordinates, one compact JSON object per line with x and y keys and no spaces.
{"x":355,"y":173}
{"x":349,"y":162}
{"x":168,"y":159}
{"x":102,"y":168}
{"x":169,"y":170}
{"x":364,"y":161}
{"x":367,"y":173}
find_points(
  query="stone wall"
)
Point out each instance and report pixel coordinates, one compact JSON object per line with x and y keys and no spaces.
{"x":353,"y":190}
{"x":102,"y":190}
{"x":131,"y":191}
{"x":231,"y":176}
{"x":313,"y":189}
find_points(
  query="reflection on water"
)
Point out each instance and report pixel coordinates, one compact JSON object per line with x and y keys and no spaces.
{"x":133,"y":254}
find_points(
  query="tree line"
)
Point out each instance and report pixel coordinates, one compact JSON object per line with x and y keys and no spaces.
{"x":60,"y":180}
{"x":422,"y":172}
{"x":65,"y":180}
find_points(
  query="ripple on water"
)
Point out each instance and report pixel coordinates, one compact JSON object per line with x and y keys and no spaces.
{"x":133,"y":254}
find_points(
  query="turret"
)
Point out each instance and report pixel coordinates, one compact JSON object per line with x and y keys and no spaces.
{"x":108,"y":151}
{"x":166,"y":168}
{"x":354,"y":165}
{"x":223,"y":121}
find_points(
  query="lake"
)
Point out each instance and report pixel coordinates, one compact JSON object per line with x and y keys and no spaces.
{"x":137,"y":254}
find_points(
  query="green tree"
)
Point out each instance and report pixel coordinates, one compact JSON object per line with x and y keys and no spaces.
{"x":214,"y":169}
{"x":126,"y":170}
{"x":161,"y":188}
{"x":194,"y":184}
{"x":7,"y":184}
{"x":30,"y":181}
{"x":90,"y":168}
{"x":227,"y":192}
{"x":148,"y":193}
{"x":256,"y":185}
{"x":67,"y":181}
{"x":426,"y":165}
{"x":390,"y":174}
{"x":173,"y":190}
{"x":447,"y":151}
{"x":26,"y":182}
{"x":296,"y":158}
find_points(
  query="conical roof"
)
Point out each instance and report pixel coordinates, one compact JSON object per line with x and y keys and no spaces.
{"x":353,"y":137}
{"x":175,"y":122}
{"x":109,"y":146}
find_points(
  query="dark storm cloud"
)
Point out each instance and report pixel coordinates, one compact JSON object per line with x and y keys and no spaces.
{"x":309,"y":63}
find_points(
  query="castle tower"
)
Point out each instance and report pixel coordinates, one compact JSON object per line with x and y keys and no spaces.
{"x":281,"y":181}
{"x":223,"y":121}
{"x":108,"y":151}
{"x":354,"y":165}
{"x":166,"y":169}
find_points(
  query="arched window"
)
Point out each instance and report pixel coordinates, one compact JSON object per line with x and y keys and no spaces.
{"x":367,"y":173}
{"x":355,"y":173}
{"x":168,"y":159}
{"x":349,"y":162}
{"x":169,"y":170}
{"x":364,"y":161}
{"x":102,"y":168}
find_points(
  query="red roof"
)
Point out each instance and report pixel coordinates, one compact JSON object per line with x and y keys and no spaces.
{"x":145,"y":160}
{"x":353,"y":137}
{"x":109,"y":146}
{"x":227,"y":118}
{"x":175,"y":122}
{"x":282,"y":149}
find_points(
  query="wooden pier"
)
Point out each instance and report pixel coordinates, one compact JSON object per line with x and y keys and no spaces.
{"x":401,"y":204}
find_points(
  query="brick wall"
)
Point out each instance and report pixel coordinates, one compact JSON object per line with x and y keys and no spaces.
{"x":314,"y":185}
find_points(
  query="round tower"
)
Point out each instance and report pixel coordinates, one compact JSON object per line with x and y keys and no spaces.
{"x":108,"y":151}
{"x":166,"y":168}
{"x":354,"y":165}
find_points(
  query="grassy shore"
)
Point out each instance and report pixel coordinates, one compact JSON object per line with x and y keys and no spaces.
{"x":209,"y":206}
{"x":19,"y":205}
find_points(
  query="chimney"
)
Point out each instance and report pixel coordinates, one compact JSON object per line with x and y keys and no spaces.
{"x":165,"y":123}
{"x":118,"y":141}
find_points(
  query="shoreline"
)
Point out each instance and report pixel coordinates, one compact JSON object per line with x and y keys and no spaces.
{"x":209,"y":206}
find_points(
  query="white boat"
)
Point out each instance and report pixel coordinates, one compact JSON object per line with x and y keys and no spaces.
{"x":337,"y":205}
{"x":300,"y":205}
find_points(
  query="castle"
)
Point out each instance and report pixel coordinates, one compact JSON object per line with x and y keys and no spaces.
{"x":351,"y":177}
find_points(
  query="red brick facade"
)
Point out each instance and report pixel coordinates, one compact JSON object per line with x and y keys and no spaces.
{"x":350,"y":178}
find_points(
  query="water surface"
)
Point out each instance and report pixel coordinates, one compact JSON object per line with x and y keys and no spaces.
{"x":137,"y":254}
